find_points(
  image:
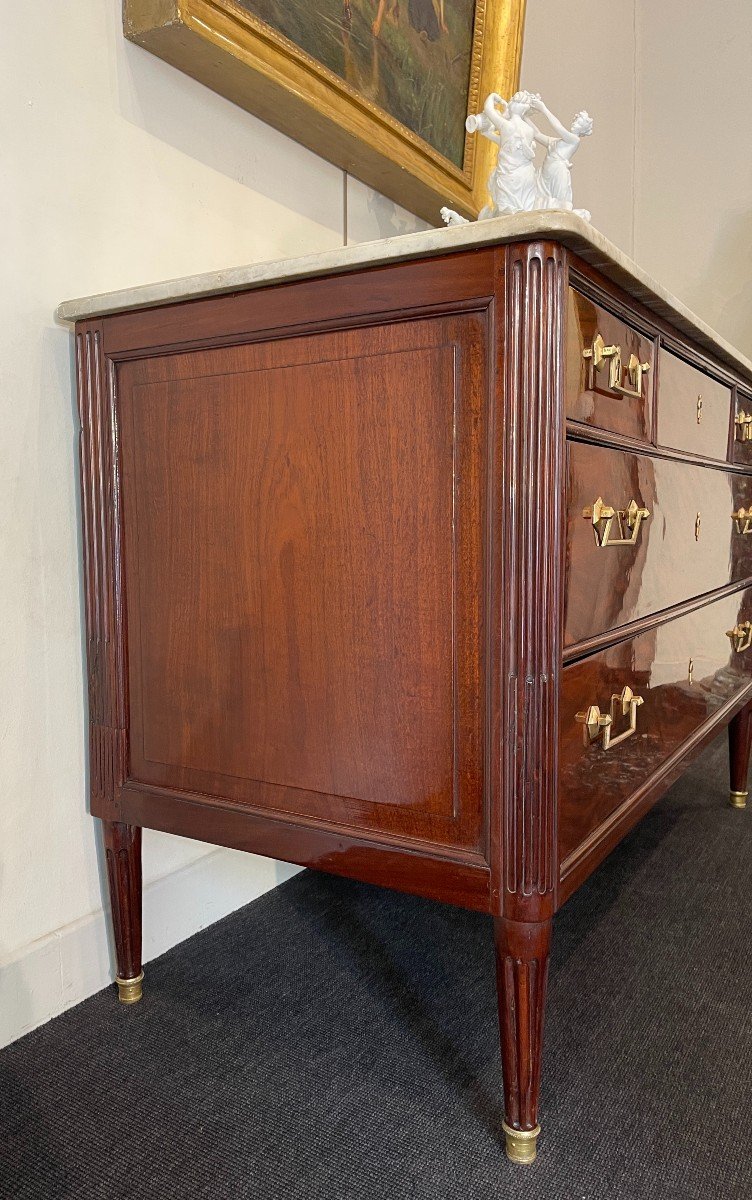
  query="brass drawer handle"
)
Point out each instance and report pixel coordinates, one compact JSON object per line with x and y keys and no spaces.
{"x":597,"y":724}
{"x":743,"y":423}
{"x":743,"y":519}
{"x":741,"y":636}
{"x":599,"y":352}
{"x":602,"y":517}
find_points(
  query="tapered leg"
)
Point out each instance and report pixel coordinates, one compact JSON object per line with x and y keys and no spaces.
{"x":522,"y":951}
{"x":740,"y":733}
{"x":123,"y":849}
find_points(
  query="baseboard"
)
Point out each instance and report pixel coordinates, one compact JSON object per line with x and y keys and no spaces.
{"x":67,"y":966}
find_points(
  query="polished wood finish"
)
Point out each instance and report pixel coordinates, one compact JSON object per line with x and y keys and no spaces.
{"x":103,"y":573}
{"x":523,"y":858}
{"x":335,"y":564}
{"x":693,"y":408}
{"x":575,"y":869}
{"x":522,"y":957}
{"x":688,"y":546}
{"x":122,"y":845}
{"x":677,"y":699}
{"x":329,"y":663}
{"x":589,"y":396}
{"x":741,"y":448}
{"x":740,"y":740}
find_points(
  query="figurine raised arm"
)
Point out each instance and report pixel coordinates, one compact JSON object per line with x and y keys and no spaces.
{"x":555,"y":180}
{"x":516,"y":183}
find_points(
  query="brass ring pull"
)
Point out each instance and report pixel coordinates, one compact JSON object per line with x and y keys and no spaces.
{"x":741,"y":636}
{"x":597,"y":724}
{"x":743,"y":519}
{"x":743,"y":423}
{"x":628,"y":521}
{"x":599,"y":352}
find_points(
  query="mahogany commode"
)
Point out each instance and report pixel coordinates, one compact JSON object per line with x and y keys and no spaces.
{"x":428,"y":563}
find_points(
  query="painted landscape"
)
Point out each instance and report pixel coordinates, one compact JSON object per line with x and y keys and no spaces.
{"x":410,"y":57}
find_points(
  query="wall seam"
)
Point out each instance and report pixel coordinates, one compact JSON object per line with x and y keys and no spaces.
{"x":635,"y":128}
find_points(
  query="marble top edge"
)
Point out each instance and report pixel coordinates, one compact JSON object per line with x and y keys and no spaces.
{"x":564,"y":227}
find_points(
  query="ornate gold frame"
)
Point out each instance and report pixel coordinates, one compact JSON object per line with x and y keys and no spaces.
{"x":223,"y":46}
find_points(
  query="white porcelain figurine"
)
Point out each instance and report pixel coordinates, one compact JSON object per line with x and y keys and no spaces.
{"x":517,"y":183}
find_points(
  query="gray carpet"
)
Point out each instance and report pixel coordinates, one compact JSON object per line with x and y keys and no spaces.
{"x":334,"y":1040}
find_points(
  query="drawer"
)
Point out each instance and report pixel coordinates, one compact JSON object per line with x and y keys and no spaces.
{"x":693,"y":410}
{"x":606,"y":385}
{"x":675,"y":699}
{"x":690,"y":543}
{"x":741,"y":445}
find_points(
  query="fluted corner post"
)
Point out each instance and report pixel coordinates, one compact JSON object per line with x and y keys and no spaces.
{"x":740,"y":736}
{"x":106,"y":645}
{"x":123,"y":852}
{"x":528,"y":604}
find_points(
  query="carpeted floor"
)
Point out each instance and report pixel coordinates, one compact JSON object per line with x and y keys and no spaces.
{"x":333,"y":1040}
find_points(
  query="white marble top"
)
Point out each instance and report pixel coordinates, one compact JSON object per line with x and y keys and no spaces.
{"x":562,"y":227}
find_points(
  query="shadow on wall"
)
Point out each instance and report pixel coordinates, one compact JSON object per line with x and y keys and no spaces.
{"x":184,"y":114}
{"x":724,"y":294}
{"x":381,"y":218}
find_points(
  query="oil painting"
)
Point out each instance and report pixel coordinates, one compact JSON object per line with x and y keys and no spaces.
{"x":410,"y":57}
{"x":380,"y":88}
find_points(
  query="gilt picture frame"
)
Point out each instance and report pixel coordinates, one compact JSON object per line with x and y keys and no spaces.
{"x":381,"y":88}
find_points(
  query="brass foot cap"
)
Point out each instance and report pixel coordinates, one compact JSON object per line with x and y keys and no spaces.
{"x":739,"y":799}
{"x":521,"y":1143}
{"x":130,"y":991}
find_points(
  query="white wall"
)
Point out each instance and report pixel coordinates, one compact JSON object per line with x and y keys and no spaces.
{"x":693,"y":200}
{"x":581,"y":54}
{"x":668,"y":171}
{"x":117,"y":170}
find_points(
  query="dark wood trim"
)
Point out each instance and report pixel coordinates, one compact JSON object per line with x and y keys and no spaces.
{"x":575,"y":869}
{"x":461,"y":879}
{"x":689,"y":354}
{"x":457,"y":283}
{"x":103,"y":572}
{"x":579,"y":432}
{"x":740,"y":737}
{"x":611,"y":297}
{"x":625,"y":306}
{"x":624,"y":632}
{"x":522,"y":956}
{"x":122,"y":845}
{"x":531,"y":602}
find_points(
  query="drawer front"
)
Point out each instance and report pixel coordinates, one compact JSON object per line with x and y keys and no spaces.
{"x":601,"y":388}
{"x":676,"y":699}
{"x":741,"y":445}
{"x":693,"y":409}
{"x":690,"y":543}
